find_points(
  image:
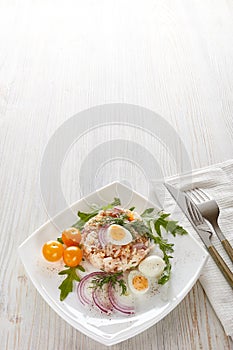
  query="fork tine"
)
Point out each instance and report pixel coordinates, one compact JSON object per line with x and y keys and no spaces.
{"x":191,"y":214}
{"x":194,"y":213}
{"x":203,"y":194}
{"x":198,"y":214}
{"x":194,"y":195}
{"x":198,"y":195}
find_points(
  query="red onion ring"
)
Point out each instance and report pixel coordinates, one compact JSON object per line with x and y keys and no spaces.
{"x":101,"y":300}
{"x":102,"y":235}
{"x":118,"y":209}
{"x":105,"y":300}
{"x":84,"y":285}
{"x":140,"y":246}
{"x":116,"y":303}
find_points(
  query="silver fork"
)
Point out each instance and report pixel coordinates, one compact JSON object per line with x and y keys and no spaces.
{"x":209,"y":209}
{"x":202,"y":226}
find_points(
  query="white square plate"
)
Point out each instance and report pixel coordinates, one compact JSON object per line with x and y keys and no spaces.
{"x":188,"y":260}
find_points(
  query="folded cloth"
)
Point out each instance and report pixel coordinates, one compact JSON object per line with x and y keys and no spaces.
{"x":217,"y":181}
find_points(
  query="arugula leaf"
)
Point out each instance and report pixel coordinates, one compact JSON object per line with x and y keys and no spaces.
{"x":67,"y":285}
{"x":115,"y":203}
{"x":147,"y":213}
{"x":132,"y":208}
{"x":163,"y":244}
{"x":166,"y":249}
{"x":175,"y":229}
{"x":159,"y":220}
{"x":162,"y":221}
{"x":84,"y":217}
{"x":166,"y":272}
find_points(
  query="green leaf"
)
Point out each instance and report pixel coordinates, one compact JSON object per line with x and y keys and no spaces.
{"x":166,"y":274}
{"x":132,"y":208}
{"x":115,"y":203}
{"x":79,"y":224}
{"x":81,"y":268}
{"x":160,"y":220}
{"x":158,"y":223}
{"x":163,"y":244}
{"x":60,"y":240}
{"x":147,"y":213}
{"x":139,"y":227}
{"x":63,"y":272}
{"x":169,"y":225}
{"x":85,"y":217}
{"x":175,"y":229}
{"x":67,"y":285}
{"x":100,"y":280}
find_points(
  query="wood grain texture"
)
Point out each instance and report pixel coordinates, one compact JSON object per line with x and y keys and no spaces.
{"x":174,"y":57}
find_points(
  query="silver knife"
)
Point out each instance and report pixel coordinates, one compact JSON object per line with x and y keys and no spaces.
{"x":202,"y":230}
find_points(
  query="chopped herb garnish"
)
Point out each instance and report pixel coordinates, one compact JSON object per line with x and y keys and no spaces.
{"x":139,"y":227}
{"x":110,"y":220}
{"x":114,"y":278}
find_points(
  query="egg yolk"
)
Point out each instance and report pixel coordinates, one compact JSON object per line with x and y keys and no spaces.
{"x":117,"y":233}
{"x":140,"y":283}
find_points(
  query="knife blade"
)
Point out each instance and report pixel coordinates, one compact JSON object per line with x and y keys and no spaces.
{"x":203,"y":232}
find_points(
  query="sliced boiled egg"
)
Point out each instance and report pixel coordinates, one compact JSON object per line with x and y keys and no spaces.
{"x":118,"y":235}
{"x":138,"y":283}
{"x":152,"y":266}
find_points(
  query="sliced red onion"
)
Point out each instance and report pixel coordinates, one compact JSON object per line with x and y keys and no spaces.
{"x":101,"y":300}
{"x":105,"y":299}
{"x":118,"y":209}
{"x":140,"y":246}
{"x":103,"y":236}
{"x":84,"y":284}
{"x":116,"y":301}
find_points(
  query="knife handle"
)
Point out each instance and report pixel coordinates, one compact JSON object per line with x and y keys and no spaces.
{"x":221,"y":265}
{"x":228,"y":248}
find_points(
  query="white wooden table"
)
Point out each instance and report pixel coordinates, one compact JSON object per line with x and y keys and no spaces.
{"x":59,"y":58}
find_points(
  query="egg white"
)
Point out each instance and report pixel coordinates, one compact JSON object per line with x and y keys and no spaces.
{"x":152,"y":266}
{"x":125,"y":240}
{"x":131,"y":276}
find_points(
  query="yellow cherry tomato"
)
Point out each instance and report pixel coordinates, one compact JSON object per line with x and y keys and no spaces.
{"x":72,"y":256}
{"x":130,"y":217}
{"x":71,"y":236}
{"x":52,"y":251}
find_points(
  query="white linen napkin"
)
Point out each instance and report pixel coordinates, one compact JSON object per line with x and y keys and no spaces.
{"x":217,"y":181}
